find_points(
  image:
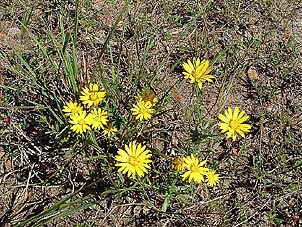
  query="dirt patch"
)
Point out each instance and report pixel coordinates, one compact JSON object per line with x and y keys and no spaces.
{"x":254,"y":48}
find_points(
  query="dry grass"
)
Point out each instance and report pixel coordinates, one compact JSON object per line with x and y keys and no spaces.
{"x":255,"y":48}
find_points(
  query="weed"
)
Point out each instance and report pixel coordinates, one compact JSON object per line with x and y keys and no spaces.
{"x":111,"y":117}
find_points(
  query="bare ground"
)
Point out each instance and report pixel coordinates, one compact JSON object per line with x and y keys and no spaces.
{"x":261,"y":176}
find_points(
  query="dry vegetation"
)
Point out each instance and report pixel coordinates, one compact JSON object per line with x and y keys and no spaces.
{"x":50,"y":177}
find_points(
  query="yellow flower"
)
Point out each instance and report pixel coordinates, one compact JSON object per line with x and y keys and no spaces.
{"x":110,"y":130}
{"x":147,"y":96}
{"x":72,"y":108}
{"x":92,"y":95}
{"x":212,"y":178}
{"x":198,"y":71}
{"x":196,"y":171}
{"x":232,"y":122}
{"x":178,"y":164}
{"x":80,"y":122}
{"x":133,"y":160}
{"x":142,"y":110}
{"x":98,"y":118}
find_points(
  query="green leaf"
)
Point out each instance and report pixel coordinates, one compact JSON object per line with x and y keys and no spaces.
{"x":166,"y":203}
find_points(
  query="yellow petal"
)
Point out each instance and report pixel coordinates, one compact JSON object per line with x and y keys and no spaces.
{"x":229,"y":113}
{"x":199,"y":84}
{"x":245,"y":127}
{"x":203,"y":163}
{"x":123,"y":153}
{"x":95,"y":87}
{"x":128,"y":149}
{"x":243,"y":119}
{"x":223,"y":118}
{"x":234,"y":136}
{"x":185,"y":175}
{"x":197,"y":177}
{"x":192,"y":79}
{"x":224,"y":127}
{"x":187,"y":67}
{"x":197,"y":62}
{"x":121,"y":168}
{"x":131,"y":168}
{"x":240,"y":133}
{"x":241,"y":114}
{"x":236,"y":112}
{"x":187,"y":75}
{"x":121,"y":158}
{"x":144,"y":165}
{"x":210,"y":69}
{"x":144,"y":156}
{"x":207,"y":78}
{"x":202,"y":68}
{"x":190,"y":177}
{"x":139,"y":171}
{"x":231,"y":132}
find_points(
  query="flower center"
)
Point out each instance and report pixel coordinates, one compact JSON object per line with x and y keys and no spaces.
{"x":97,"y":118}
{"x":194,"y":168}
{"x":133,"y":161}
{"x":144,"y":110}
{"x":93,"y":96}
{"x":74,"y":110}
{"x":233,"y":124}
{"x":196,"y":74}
{"x":82,"y":122}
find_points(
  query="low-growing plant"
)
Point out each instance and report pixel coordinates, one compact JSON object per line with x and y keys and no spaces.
{"x":106,"y":124}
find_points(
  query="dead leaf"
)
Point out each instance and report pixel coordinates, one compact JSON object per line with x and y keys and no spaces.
{"x":252,"y":74}
{"x":287,"y":35}
{"x":6,"y":121}
{"x":8,"y":164}
{"x":234,"y":151}
{"x":176,"y":97}
{"x":3,"y":34}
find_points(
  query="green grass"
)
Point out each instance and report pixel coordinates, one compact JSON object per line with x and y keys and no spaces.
{"x":50,"y":50}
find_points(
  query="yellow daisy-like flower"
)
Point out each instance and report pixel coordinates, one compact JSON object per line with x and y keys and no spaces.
{"x":134,"y":160}
{"x":147,"y":96}
{"x":80,"y":122}
{"x":98,"y":118}
{"x":110,"y":130}
{"x":178,"y":164}
{"x":198,"y":71}
{"x":196,"y":171}
{"x":142,"y":110}
{"x":232,"y":122}
{"x":72,"y":108}
{"x":92,"y":95}
{"x":212,"y":178}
